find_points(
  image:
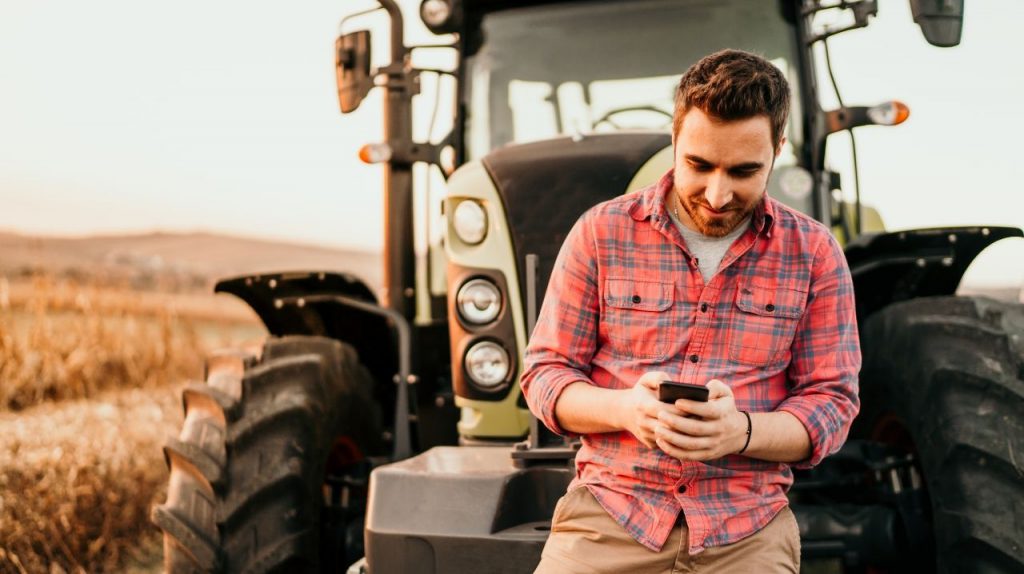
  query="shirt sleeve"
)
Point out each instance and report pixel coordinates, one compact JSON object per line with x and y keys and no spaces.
{"x":826,"y":356}
{"x":565,"y":337}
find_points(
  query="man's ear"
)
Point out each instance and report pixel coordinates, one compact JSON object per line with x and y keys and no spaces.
{"x":778,"y":148}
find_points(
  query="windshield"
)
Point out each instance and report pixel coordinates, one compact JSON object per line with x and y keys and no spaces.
{"x":587,"y":67}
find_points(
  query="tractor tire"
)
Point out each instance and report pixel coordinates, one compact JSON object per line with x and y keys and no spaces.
{"x":942,"y":379}
{"x":246,"y":489}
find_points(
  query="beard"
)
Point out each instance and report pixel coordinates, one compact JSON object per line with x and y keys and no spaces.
{"x":732,"y":213}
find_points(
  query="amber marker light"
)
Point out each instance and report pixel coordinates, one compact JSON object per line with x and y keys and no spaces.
{"x":892,"y":113}
{"x":375,"y":153}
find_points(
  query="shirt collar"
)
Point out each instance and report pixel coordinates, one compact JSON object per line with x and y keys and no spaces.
{"x":650,"y":203}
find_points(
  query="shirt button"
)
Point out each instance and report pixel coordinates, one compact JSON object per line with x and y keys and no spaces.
{"x":703,"y":307}
{"x":636,"y":298}
{"x":769,"y":307}
{"x":681,"y":488}
{"x":694,"y":358}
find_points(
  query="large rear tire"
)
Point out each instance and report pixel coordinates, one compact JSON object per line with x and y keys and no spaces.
{"x":247,"y":472}
{"x":942,"y":378}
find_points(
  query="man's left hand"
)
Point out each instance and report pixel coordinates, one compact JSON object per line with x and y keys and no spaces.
{"x":719,"y":430}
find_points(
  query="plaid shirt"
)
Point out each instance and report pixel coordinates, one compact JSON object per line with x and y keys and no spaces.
{"x":776,"y":323}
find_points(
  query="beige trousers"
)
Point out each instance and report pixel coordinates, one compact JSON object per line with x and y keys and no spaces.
{"x":584,"y":539}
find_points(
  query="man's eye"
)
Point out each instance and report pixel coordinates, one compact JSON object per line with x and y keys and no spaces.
{"x":701,"y":167}
{"x":742,"y":173}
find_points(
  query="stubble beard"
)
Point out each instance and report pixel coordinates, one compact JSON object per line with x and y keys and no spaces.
{"x":719,"y":227}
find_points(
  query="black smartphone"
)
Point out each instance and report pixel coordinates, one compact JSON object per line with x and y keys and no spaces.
{"x":670,"y":391}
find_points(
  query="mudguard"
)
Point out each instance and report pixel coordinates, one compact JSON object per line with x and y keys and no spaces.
{"x":369,"y":333}
{"x":902,"y":265}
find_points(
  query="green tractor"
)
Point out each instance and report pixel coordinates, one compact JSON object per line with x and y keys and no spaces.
{"x":390,"y":435}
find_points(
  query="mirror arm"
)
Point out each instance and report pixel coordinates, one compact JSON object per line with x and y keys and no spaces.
{"x":408,"y":153}
{"x":432,"y":46}
{"x":341,"y":25}
{"x":863,"y":11}
{"x":398,"y":51}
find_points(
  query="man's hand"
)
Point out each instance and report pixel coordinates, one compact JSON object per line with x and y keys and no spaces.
{"x":720,"y":429}
{"x":641,"y":410}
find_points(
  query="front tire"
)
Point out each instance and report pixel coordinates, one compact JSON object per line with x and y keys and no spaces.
{"x":247,"y":472}
{"x":942,"y":378}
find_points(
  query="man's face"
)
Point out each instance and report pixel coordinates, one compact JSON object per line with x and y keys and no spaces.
{"x":721,"y":170}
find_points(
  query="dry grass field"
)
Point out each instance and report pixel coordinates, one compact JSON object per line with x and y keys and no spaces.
{"x":98,"y":336}
{"x":90,"y":378}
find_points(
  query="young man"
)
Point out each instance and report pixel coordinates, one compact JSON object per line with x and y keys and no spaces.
{"x":700,"y":278}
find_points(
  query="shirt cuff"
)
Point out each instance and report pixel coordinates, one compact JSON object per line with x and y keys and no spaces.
{"x":822,"y":424}
{"x":542,"y":395}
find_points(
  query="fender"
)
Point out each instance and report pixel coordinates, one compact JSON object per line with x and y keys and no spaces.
{"x":369,"y":333}
{"x":901,"y":265}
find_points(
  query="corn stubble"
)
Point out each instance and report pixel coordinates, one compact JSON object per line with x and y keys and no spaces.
{"x":89,"y":385}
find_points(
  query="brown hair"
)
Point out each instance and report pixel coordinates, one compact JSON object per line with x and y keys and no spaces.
{"x":734,"y":85}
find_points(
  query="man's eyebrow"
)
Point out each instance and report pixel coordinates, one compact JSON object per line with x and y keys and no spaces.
{"x":745,"y":166}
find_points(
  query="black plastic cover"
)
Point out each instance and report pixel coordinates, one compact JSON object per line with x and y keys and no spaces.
{"x":902,"y":265}
{"x":547,"y":185}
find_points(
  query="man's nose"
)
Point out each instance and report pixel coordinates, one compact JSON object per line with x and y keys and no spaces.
{"x":718,"y":192}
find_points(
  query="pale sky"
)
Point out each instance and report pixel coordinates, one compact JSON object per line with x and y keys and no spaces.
{"x":127,"y":116}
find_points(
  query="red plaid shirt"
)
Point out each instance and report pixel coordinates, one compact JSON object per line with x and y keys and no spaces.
{"x":776,"y":323}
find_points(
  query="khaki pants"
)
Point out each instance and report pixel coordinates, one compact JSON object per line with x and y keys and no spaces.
{"x":585,"y":539}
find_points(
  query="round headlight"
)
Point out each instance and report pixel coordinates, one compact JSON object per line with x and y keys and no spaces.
{"x":487,"y":364}
{"x":470,"y":222}
{"x":435,"y":12}
{"x":479,"y":301}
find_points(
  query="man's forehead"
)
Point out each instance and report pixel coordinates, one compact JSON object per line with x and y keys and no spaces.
{"x":715,"y":140}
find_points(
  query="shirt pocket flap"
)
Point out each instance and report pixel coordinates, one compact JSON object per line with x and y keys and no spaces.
{"x":638,"y":295}
{"x":778,"y":302}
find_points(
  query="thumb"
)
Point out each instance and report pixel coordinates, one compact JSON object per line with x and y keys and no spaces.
{"x":717,"y":389}
{"x":652,"y":379}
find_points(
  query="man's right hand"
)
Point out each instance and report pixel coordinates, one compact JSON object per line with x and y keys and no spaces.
{"x":639,"y":414}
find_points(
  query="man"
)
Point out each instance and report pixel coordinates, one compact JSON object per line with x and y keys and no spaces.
{"x":700,"y":278}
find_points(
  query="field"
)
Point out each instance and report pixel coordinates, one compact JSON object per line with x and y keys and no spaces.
{"x":91,"y":377}
{"x":98,"y":336}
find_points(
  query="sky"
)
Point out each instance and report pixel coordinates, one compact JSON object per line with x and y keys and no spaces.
{"x":120,"y":116}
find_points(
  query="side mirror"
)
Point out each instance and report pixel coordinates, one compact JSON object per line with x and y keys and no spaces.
{"x":352,"y":66}
{"x":941,"y":21}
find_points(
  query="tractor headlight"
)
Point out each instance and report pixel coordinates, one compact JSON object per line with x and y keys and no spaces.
{"x":470,"y":221}
{"x":478,"y":301}
{"x":487,"y":364}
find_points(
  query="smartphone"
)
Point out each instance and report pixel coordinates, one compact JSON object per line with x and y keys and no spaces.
{"x":670,"y":391}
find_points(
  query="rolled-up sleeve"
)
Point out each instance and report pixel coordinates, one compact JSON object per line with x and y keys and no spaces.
{"x":826,"y":357}
{"x":565,"y":337}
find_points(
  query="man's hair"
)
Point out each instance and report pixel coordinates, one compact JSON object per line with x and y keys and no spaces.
{"x":734,"y":85}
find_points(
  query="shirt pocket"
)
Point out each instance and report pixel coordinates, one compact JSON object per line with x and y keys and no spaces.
{"x":637,"y":320}
{"x":764,"y":323}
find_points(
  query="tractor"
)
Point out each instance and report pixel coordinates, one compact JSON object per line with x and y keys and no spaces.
{"x":385,"y":431}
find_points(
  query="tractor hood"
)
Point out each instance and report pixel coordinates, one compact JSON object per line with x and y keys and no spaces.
{"x":547,"y":185}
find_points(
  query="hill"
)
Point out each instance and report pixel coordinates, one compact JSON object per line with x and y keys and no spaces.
{"x":187,"y":261}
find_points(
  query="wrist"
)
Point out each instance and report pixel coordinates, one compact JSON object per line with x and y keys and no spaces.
{"x":622,"y":409}
{"x":745,"y":426}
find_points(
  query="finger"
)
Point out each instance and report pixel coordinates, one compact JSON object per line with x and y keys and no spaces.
{"x":655,"y":407}
{"x":684,"y":425}
{"x":717,"y":389}
{"x":687,"y":455}
{"x":652,"y":379}
{"x":682,"y":441}
{"x":695,"y":408}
